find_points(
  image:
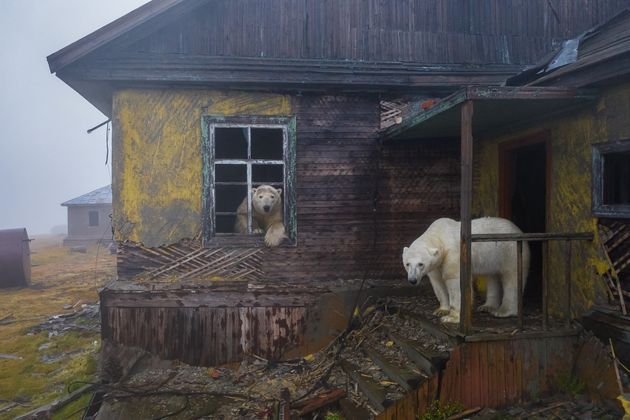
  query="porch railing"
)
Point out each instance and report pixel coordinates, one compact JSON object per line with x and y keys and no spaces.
{"x":545,"y":238}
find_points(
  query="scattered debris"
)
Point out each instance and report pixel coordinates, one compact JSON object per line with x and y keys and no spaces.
{"x":10,"y":357}
{"x":85,"y":319}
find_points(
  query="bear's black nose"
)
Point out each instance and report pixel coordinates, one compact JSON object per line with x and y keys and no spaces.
{"x":266,"y":208}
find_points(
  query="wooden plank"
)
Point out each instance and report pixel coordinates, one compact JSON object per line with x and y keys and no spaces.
{"x":353,"y":412}
{"x":465,"y":271}
{"x":432,"y":328}
{"x":372,"y":390}
{"x":428,"y":362}
{"x":404,"y":378}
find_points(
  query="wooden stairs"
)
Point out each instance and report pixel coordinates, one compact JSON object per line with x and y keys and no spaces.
{"x":397,"y":364}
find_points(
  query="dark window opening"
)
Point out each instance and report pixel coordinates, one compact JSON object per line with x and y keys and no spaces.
{"x":617,"y":178}
{"x":611,"y":179}
{"x":93,"y":218}
{"x":245,"y":157}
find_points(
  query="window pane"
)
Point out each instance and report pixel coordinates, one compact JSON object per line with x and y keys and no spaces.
{"x":225,"y":223}
{"x":267,"y":143}
{"x":617,"y":178}
{"x":230,"y":173}
{"x":230,"y":143}
{"x":229,"y":197}
{"x":267,"y":174}
{"x":93,"y":218}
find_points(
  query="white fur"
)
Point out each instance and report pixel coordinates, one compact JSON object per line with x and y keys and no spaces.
{"x":436,"y":255}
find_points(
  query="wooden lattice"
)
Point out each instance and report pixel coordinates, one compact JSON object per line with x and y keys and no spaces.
{"x":189,"y":260}
{"x":615,"y":237}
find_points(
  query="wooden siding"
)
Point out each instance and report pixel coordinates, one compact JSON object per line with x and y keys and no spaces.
{"x":206,"y":336}
{"x":423,"y":31}
{"x":340,"y":164}
{"x":493,"y":374}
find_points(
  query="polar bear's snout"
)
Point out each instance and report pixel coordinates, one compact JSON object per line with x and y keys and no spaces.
{"x":267,"y":208}
{"x":415,"y":272}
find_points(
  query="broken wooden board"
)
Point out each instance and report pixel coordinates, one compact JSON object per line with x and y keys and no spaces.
{"x":398,"y":374}
{"x":372,"y":390}
{"x":429,"y":362}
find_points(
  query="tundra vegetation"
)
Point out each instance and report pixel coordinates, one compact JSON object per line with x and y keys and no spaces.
{"x":40,"y":357}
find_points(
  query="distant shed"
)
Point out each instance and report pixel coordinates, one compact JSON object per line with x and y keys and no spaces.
{"x":89,"y":218}
{"x":15,"y":258}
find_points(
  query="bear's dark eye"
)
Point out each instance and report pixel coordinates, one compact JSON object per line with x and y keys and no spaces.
{"x":273,"y":196}
{"x":260,"y":196}
{"x":407,"y":264}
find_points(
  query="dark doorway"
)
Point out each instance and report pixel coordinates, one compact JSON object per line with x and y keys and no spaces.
{"x":524,"y":176}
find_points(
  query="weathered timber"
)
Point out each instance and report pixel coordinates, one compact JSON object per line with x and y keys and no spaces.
{"x":351,"y":411}
{"x":372,"y":390}
{"x":429,"y":362}
{"x":398,"y":374}
{"x":465,"y":266}
{"x":322,"y":400}
{"x":438,"y":331}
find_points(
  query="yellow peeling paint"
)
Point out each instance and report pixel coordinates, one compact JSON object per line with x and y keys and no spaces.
{"x":157,"y":159}
{"x":572,"y":138}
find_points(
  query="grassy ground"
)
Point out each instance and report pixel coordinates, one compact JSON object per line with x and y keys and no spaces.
{"x":61,"y":283}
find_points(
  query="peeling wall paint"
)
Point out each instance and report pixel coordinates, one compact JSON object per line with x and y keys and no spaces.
{"x":157,"y":165}
{"x":572,"y":137}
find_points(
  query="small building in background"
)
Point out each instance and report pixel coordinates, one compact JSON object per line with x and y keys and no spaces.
{"x":89,"y":218}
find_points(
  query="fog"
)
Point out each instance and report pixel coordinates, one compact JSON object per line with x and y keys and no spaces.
{"x":46,"y":156}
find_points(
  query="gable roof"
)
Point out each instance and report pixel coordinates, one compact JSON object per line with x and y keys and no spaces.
{"x":159,"y":12}
{"x":384,"y":46}
{"x":102,"y":195}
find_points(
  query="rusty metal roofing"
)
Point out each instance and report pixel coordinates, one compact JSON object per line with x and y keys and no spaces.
{"x":102,"y":195}
{"x":496,"y":108}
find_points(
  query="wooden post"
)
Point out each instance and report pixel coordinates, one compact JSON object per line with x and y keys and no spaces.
{"x":465,"y":271}
{"x":567,"y":274}
{"x":545,"y":282}
{"x":519,"y":281}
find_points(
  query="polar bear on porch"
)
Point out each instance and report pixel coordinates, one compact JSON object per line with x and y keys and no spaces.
{"x":267,"y":215}
{"x":436,"y":255}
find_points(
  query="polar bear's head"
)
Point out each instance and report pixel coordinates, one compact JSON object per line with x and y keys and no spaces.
{"x":266,"y":199}
{"x":419,"y":261}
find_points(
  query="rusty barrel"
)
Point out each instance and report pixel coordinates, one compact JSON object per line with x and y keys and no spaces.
{"x":15,"y":258}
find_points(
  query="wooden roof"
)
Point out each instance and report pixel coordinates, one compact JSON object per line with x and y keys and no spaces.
{"x":495,"y":109}
{"x":432,"y":46}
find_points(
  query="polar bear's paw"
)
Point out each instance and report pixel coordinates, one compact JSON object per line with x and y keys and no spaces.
{"x":441,"y":311}
{"x":487,"y":308}
{"x":503,"y":312}
{"x":451,"y":318}
{"x":258,"y":231}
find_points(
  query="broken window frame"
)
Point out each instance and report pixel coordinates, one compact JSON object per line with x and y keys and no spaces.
{"x":208,"y":125}
{"x":599,"y":207}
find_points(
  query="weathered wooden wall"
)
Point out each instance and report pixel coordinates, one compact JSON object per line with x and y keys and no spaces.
{"x":205,"y":336}
{"x":340,"y":163}
{"x":572,"y":137}
{"x":424,"y":31}
{"x":493,"y":374}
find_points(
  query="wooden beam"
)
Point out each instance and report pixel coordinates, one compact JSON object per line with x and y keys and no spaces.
{"x":465,"y":269}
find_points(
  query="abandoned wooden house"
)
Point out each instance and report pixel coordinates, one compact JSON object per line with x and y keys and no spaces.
{"x":363,"y":112}
{"x":89,"y":218}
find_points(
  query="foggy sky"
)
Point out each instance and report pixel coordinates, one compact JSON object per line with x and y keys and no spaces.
{"x":46,"y":156}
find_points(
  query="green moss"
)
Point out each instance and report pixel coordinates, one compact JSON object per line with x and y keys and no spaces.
{"x":570,"y":384}
{"x":437,"y":411}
